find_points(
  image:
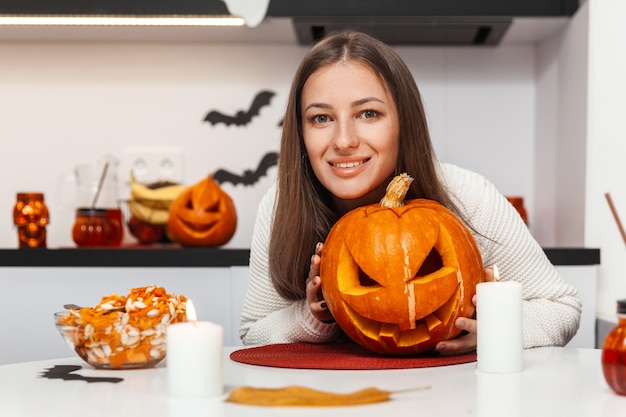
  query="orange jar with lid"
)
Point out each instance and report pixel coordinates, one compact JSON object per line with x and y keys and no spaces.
{"x":93,"y":227}
{"x":614,"y":353}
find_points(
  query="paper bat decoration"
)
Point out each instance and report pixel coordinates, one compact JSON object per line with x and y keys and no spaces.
{"x":241,"y":118}
{"x":64,"y":372}
{"x":249,"y":177}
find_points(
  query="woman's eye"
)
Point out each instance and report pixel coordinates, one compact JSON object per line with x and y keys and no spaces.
{"x":321,"y":118}
{"x":369,"y":114}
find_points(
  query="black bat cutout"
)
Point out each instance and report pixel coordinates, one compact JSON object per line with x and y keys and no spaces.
{"x":64,"y":372}
{"x":242,"y":118}
{"x":249,"y":177}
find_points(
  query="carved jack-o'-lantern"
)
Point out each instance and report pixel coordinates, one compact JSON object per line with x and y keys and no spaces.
{"x":202,"y":215}
{"x":397,"y":275}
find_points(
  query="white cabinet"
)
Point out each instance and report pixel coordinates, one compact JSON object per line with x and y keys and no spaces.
{"x":584,"y":278}
{"x":32,"y":294}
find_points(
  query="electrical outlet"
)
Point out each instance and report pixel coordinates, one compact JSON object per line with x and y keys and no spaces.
{"x":154,"y":164}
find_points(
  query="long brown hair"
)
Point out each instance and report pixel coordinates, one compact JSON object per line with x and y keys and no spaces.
{"x":303,"y":215}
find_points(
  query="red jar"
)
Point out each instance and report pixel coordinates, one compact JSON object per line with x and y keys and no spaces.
{"x":93,"y":227}
{"x":614,"y":353}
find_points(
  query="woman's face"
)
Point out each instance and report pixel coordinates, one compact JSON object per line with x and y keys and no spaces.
{"x":351,"y":132}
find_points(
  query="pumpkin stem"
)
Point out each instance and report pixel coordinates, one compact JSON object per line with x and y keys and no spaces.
{"x":396,"y":190}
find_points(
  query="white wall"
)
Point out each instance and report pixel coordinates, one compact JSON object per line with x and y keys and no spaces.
{"x":561,"y":135}
{"x":606,"y":149}
{"x":65,"y":103}
{"x":68,"y":103}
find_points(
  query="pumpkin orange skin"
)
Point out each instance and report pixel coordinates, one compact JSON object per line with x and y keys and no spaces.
{"x":202,"y":215}
{"x":396,"y":279}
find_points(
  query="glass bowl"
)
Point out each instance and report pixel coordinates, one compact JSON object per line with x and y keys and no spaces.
{"x":123,"y":334}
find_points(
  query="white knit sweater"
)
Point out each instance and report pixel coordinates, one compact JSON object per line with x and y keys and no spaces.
{"x":551,"y":307}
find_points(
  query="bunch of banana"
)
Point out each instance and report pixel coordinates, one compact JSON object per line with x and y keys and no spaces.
{"x":151,"y":203}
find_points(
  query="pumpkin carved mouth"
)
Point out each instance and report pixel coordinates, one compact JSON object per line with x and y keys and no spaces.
{"x":391,"y":334}
{"x":200,"y":227}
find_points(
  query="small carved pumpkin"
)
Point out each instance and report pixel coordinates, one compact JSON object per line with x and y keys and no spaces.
{"x":202,"y":215}
{"x":396,"y":276}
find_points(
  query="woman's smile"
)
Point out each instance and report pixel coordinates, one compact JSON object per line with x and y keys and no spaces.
{"x":348,"y":164}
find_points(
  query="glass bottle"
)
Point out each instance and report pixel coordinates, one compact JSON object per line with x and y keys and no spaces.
{"x":30,"y":215}
{"x":93,"y":227}
{"x":614,"y":353}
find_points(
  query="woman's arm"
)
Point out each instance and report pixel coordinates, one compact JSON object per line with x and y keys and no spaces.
{"x":266,"y":316}
{"x":551,"y":306}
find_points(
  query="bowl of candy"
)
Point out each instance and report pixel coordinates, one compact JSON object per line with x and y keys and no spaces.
{"x":122,"y":332}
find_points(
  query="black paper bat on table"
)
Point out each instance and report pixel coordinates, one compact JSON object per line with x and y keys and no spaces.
{"x":66,"y":373}
{"x":241,"y":118}
{"x":249,"y":177}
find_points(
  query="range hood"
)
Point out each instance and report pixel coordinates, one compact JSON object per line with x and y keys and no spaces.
{"x":409,"y":30}
{"x":416,"y":22}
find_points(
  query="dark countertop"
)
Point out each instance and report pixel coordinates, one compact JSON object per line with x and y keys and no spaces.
{"x":133,"y":256}
{"x":175,"y":256}
{"x":573,"y":256}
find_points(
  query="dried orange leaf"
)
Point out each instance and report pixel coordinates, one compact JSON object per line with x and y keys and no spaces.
{"x":301,"y":396}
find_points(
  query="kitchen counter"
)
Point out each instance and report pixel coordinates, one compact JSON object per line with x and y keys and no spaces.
{"x":176,"y":256}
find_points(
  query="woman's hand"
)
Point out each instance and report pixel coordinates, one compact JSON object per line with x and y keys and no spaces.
{"x":314,"y":296}
{"x":466,"y":343}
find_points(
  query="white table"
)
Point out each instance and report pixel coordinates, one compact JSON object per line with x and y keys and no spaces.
{"x":555,"y":382}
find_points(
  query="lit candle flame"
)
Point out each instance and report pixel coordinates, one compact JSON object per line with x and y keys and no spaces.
{"x":191,"y":312}
{"x":496,"y":274}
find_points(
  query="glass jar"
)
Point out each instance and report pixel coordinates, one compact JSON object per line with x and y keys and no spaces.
{"x":97,"y":184}
{"x":30,"y":215}
{"x":93,"y":227}
{"x":614,"y":353}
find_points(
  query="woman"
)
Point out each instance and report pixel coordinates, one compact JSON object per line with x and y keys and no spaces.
{"x":354,"y":119}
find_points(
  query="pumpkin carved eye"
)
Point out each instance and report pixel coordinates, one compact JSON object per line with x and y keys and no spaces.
{"x":431,"y":263}
{"x":365,"y":281}
{"x":212,"y":208}
{"x":396,"y":278}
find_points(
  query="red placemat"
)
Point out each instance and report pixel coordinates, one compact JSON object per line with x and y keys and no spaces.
{"x":345,"y":355}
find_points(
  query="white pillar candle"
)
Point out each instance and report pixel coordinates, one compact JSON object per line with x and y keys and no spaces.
{"x":194,"y":358}
{"x":499,"y":320}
